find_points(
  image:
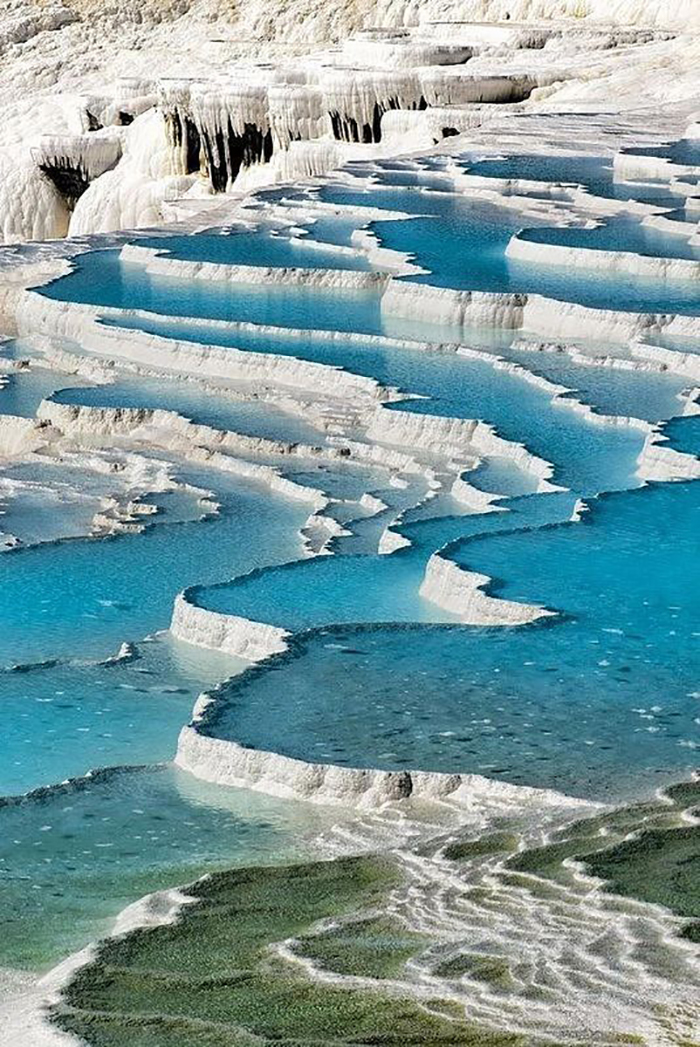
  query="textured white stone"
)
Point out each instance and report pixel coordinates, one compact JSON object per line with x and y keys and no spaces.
{"x":528,"y":251}
{"x":39,"y":315}
{"x":227,"y":633}
{"x":460,"y":592}
{"x":228,"y":763}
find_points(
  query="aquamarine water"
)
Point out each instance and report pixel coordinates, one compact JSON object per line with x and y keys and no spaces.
{"x":619,"y":234}
{"x":73,"y":857}
{"x":683,"y":214}
{"x":593,"y":172}
{"x":84,"y":598}
{"x":683,"y":151}
{"x":463,"y":244}
{"x":71,"y":717}
{"x":651,"y":395}
{"x":21,"y":395}
{"x":676,"y":342}
{"x":100,"y":278}
{"x":435,"y":698}
{"x":595,"y":702}
{"x":267,"y":246}
{"x":369,"y":588}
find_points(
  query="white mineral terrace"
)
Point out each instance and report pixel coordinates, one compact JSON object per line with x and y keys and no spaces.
{"x":183,"y":116}
{"x":524,"y":250}
{"x":227,"y":763}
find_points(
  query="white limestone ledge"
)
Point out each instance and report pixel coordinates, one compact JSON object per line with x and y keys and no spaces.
{"x":79,"y":324}
{"x":217,"y":449}
{"x":156,"y":263}
{"x":456,"y":437}
{"x":226,"y":762}
{"x":687,"y":364}
{"x":636,"y":167}
{"x":421,"y":128}
{"x":171,"y":430}
{"x":535,"y":253}
{"x":460,"y":592}
{"x":443,"y":305}
{"x":391,"y":541}
{"x":545,"y":317}
{"x":228,"y":633}
{"x":542,"y":316}
{"x":551,"y":318}
{"x":19,"y":436}
{"x":662,"y":463}
{"x":236,"y":454}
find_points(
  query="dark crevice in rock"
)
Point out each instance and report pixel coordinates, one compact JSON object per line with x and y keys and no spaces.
{"x":346,"y":128}
{"x":183,"y":134}
{"x":219,"y":154}
{"x":69,"y":179}
{"x":229,"y":152}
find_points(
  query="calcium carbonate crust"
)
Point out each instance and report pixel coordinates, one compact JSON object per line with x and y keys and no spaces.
{"x":228,"y":763}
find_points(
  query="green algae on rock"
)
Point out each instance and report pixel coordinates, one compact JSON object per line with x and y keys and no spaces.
{"x":215,"y":979}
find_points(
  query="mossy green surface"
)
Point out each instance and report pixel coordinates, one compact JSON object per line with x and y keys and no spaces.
{"x":218,"y":977}
{"x":646,"y":851}
{"x":483,"y":846}
{"x":491,"y":969}
{"x":373,"y":948}
{"x":239,"y":912}
{"x":213,"y":980}
{"x":661,"y":866}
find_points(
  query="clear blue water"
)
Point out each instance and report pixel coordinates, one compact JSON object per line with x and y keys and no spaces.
{"x":619,"y":665}
{"x":70,"y":718}
{"x":462,"y":245}
{"x":682,"y":345}
{"x":593,"y":172}
{"x":100,"y":278}
{"x":85,"y":597}
{"x":437,"y":698}
{"x":369,"y":588}
{"x":619,"y":234}
{"x":594,"y":702}
{"x":73,"y":857}
{"x":683,"y":151}
{"x":638,"y":394}
{"x":350,"y":588}
{"x":22,"y":391}
{"x":349,"y":484}
{"x":683,"y":214}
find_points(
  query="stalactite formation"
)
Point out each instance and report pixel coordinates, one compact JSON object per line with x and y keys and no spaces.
{"x":69,"y":179}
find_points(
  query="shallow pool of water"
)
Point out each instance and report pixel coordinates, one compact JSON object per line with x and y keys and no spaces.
{"x":267,"y":246}
{"x":83,"y":598}
{"x":73,"y":857}
{"x":592,"y":702}
{"x":250,"y":417}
